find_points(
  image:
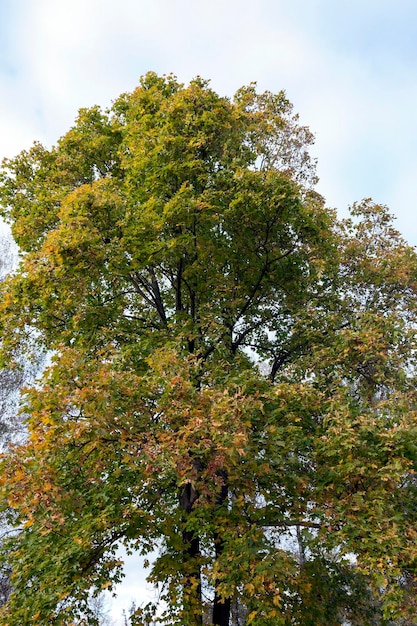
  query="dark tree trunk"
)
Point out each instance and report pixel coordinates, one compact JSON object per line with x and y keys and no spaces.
{"x":192,"y":604}
{"x":221,"y":612}
{"x":221,"y":606}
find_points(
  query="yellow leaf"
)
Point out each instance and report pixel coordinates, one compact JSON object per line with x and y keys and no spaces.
{"x":106,"y":585}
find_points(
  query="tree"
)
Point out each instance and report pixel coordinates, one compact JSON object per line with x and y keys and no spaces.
{"x":233,"y":377}
{"x":12,"y":379}
{"x":11,"y":382}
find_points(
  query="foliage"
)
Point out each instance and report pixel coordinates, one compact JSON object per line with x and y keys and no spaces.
{"x":12,"y":380}
{"x":233,"y":372}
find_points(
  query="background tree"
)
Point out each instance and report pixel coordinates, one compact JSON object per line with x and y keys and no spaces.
{"x":12,"y":379}
{"x":233,"y":370}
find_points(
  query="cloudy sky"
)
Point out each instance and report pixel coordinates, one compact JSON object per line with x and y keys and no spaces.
{"x":349,"y":67}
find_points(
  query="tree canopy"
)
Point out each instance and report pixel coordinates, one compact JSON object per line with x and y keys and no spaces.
{"x":232,"y":377}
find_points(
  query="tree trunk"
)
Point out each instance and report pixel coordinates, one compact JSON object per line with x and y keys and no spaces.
{"x":192,"y":601}
{"x":221,"y":606}
{"x":221,"y":611}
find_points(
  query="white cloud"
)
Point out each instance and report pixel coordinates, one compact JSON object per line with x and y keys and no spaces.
{"x":133,"y":589}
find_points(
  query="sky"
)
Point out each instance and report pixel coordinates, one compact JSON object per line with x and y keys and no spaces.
{"x":348,"y":66}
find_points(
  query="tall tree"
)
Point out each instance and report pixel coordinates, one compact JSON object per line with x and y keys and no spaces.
{"x":233,"y":371}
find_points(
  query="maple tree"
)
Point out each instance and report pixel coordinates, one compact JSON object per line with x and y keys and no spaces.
{"x":233,"y":371}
